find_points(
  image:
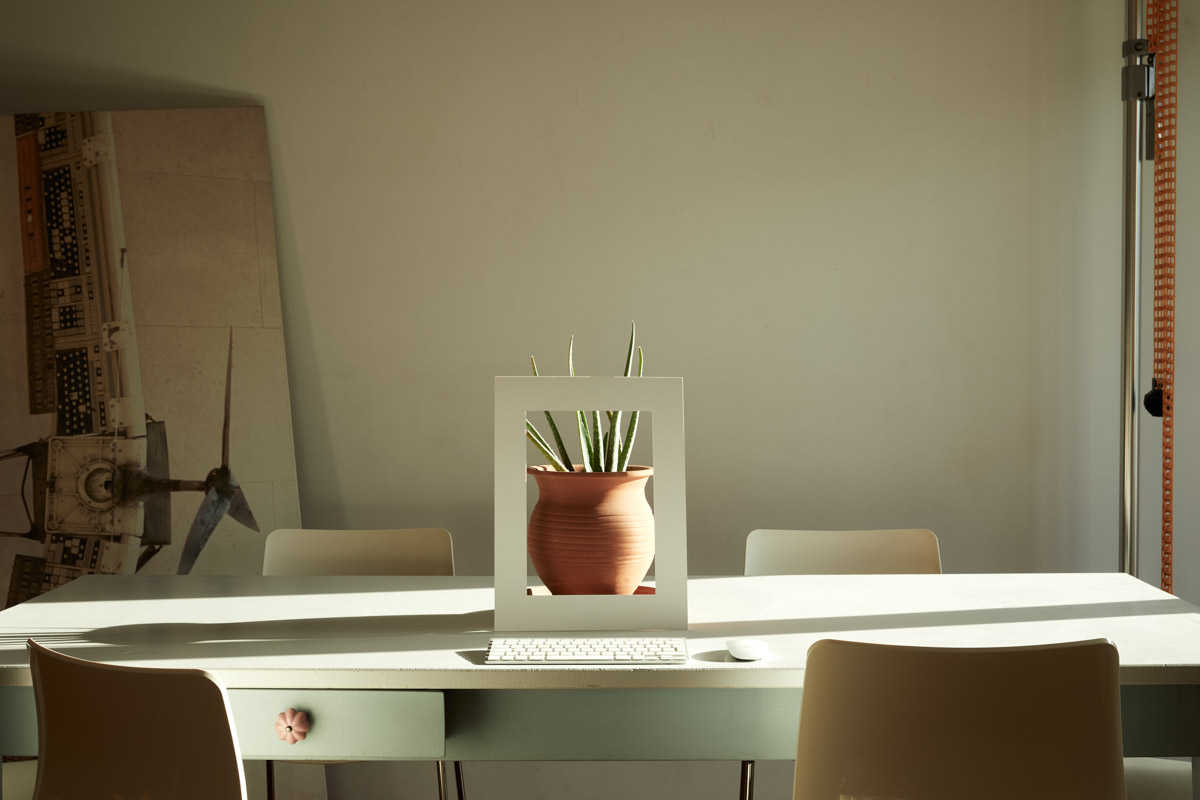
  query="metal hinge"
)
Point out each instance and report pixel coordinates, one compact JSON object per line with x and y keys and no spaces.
{"x":1137,"y":83}
{"x":98,"y":149}
{"x":115,"y":336}
{"x":121,"y":412}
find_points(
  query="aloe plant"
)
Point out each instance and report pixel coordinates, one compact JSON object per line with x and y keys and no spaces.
{"x":602,"y":451}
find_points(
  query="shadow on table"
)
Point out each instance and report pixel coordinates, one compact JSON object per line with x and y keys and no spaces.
{"x":179,"y":587}
{"x":327,"y":635}
{"x":941,"y":619}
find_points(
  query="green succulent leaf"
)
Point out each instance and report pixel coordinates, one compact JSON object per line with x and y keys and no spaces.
{"x":585,"y":436}
{"x":534,"y":436}
{"x":611,"y":441}
{"x":613,"y":447}
{"x":629,"y":354}
{"x":564,"y":456}
{"x":631,"y":432}
{"x":558,"y":442}
{"x":585,"y":442}
{"x":597,"y":444}
{"x":627,"y":447}
{"x":601,"y":451}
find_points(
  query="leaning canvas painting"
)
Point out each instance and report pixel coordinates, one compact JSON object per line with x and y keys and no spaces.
{"x":144,"y":413}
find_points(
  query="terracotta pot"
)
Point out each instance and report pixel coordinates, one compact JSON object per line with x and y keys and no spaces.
{"x":591,"y":532}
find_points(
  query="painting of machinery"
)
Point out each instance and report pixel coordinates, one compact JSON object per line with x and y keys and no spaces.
{"x":96,"y":482}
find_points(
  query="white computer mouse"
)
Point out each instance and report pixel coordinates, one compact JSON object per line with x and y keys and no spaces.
{"x":748,"y":649}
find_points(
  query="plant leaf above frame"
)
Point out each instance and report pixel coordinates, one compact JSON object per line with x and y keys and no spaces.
{"x":563,"y":463}
{"x":616,"y":448}
{"x":585,"y":438}
{"x":601,"y":451}
{"x":631,"y":433}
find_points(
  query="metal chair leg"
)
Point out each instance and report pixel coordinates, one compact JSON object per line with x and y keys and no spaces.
{"x":458,"y":781}
{"x":747,"y":788}
{"x":441,"y":775}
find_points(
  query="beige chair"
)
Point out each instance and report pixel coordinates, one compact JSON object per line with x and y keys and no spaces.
{"x":775,"y":552}
{"x":948,"y":723}
{"x":405,"y":551}
{"x":106,"y":731}
{"x":19,"y":778}
{"x":783,"y":552}
{"x":1158,"y":779}
{"x":410,"y":551}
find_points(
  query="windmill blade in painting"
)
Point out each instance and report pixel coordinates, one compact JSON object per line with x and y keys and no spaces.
{"x":223,"y":493}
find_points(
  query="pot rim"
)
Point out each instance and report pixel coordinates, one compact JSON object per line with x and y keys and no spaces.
{"x":632,"y":471}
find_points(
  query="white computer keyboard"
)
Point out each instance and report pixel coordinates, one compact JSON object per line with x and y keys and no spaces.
{"x":588,"y":650}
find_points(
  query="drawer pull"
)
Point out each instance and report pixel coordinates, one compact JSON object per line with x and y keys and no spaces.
{"x":291,"y":725}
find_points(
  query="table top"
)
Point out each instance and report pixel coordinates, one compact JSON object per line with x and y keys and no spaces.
{"x":432,"y":633}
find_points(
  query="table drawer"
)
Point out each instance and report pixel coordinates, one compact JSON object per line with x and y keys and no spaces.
{"x":346,"y":724}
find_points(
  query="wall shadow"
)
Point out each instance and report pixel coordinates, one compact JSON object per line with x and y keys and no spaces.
{"x":76,"y":86}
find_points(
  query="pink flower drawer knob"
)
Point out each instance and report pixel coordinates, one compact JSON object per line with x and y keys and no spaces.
{"x":291,"y":725}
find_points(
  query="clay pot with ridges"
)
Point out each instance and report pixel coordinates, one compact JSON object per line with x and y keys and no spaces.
{"x":591,"y":532}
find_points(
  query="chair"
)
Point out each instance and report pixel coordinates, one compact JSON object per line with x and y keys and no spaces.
{"x":939,"y":723}
{"x":407,"y":551}
{"x":107,"y":731}
{"x":411,"y":551}
{"x":780,"y":552}
{"x":775,"y":552}
{"x":1158,"y":779}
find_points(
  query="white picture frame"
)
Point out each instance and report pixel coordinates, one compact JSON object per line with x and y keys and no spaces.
{"x":516,"y":609}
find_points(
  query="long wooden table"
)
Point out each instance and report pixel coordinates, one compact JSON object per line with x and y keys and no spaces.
{"x":392,"y":668}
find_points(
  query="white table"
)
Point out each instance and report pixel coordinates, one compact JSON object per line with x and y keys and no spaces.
{"x":392,"y":668}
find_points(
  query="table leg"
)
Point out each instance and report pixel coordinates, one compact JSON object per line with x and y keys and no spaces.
{"x":1195,"y":783}
{"x":458,"y":781}
{"x":747,"y":788}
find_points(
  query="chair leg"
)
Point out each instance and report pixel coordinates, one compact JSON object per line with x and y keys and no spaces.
{"x":441,"y":776}
{"x":458,"y":781}
{"x":270,"y":780}
{"x":747,"y":787}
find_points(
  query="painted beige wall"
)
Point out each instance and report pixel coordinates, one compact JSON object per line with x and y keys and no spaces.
{"x":1075,"y":238}
{"x":879,"y":241}
{"x":826,"y":235}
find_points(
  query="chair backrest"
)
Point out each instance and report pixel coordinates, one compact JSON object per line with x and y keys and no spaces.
{"x":411,"y":551}
{"x":777,"y":552}
{"x":107,"y":731}
{"x":885,"y":721}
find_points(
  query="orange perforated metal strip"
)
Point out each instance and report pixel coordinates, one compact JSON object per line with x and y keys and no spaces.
{"x":1162,"y":29}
